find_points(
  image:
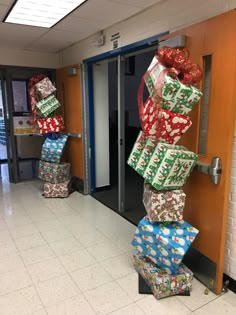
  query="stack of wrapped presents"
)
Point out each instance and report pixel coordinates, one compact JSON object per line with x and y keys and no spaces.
{"x":162,"y":237}
{"x":45,"y":105}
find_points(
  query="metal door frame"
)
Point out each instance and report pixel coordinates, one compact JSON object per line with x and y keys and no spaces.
{"x":88,"y":113}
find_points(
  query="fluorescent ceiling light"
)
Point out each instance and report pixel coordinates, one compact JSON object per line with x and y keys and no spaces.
{"x":42,"y":13}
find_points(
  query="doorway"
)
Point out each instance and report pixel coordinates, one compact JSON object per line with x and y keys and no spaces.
{"x":110,"y":131}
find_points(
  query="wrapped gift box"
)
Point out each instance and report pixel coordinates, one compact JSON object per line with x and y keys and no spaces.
{"x":52,"y":124}
{"x":60,"y":190}
{"x":44,"y":88}
{"x":164,"y":243}
{"x":163,"y":165}
{"x":169,"y":166}
{"x":176,"y":97}
{"x":172,"y":126}
{"x":137,"y":150}
{"x":162,"y":206}
{"x":163,"y":124}
{"x":161,"y":283}
{"x":48,"y":105}
{"x":52,"y":149}
{"x":54,"y":173}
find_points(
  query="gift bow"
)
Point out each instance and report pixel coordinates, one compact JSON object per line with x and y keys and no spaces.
{"x":179,"y":65}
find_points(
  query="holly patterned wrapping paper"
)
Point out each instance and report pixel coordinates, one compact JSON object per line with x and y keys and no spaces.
{"x":48,"y":105}
{"x":54,"y":173}
{"x":162,"y":206}
{"x":161,"y":283}
{"x":60,"y":190}
{"x":52,"y":149}
{"x":44,"y":88}
{"x":165,"y":244}
{"x":169,"y":166}
{"x":52,"y":124}
{"x":137,"y":150}
{"x":176,"y":97}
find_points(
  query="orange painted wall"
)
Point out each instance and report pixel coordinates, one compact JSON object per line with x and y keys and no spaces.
{"x":70,"y":95}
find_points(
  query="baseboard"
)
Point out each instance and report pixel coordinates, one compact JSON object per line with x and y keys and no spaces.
{"x":229,"y":283}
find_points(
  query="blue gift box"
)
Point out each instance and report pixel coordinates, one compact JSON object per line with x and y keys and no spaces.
{"x":165,"y":243}
{"x":53,"y":148}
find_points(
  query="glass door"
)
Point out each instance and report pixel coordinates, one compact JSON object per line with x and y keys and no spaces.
{"x":6,"y":163}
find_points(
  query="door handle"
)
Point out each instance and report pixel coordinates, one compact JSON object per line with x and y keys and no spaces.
{"x":214,"y":170}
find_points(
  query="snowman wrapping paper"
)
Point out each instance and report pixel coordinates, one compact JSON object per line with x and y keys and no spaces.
{"x":52,"y":149}
{"x":51,"y":124}
{"x":163,"y":124}
{"x":164,"y":243}
{"x":161,"y":283}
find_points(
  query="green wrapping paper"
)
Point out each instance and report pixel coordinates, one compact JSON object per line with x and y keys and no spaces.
{"x":163,"y":165}
{"x":48,"y":105}
{"x":170,"y":166}
{"x":137,"y":150}
{"x":176,"y":97}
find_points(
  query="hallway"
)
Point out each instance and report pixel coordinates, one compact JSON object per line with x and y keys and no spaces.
{"x":73,"y":257}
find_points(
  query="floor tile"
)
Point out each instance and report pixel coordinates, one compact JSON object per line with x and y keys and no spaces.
{"x":3,"y":225}
{"x":105,"y":250}
{"x":48,"y":225}
{"x":36,"y":254}
{"x":41,"y":216}
{"x":14,"y":280}
{"x":229,"y":297}
{"x":20,"y":302}
{"x":217,"y":307}
{"x":74,"y":306}
{"x":55,"y":290}
{"x":167,"y":306}
{"x":10,"y":263}
{"x":130,"y":285}
{"x":66,"y":246}
{"x":18,"y":220}
{"x":41,"y":312}
{"x":46,"y":270}
{"x":119,"y":266}
{"x":28,"y":242}
{"x":93,"y":238}
{"x":198,"y":298}
{"x":107,"y":298}
{"x":91,"y":277}
{"x":77,"y":259}
{"x":56,"y":234}
{"x":25,"y":230}
{"x":131,"y":309}
{"x":7,"y":247}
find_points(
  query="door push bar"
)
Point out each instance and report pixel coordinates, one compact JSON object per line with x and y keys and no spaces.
{"x":214,"y":170}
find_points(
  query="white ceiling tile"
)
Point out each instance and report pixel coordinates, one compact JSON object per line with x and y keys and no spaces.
{"x":137,"y":3}
{"x":105,"y":10}
{"x":76,"y":24}
{"x":3,"y":11}
{"x":6,"y":2}
{"x":48,"y":45}
{"x":60,"y":35}
{"x":21,"y":30}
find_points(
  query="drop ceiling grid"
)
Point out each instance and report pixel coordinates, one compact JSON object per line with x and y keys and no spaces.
{"x":92,"y":17}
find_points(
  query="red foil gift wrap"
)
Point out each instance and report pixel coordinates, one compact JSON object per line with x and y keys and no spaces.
{"x":179,"y":65}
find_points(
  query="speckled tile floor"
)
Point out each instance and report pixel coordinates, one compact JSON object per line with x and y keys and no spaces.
{"x":73,"y":256}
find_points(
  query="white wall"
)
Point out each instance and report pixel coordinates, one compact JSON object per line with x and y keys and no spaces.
{"x":101,"y":124}
{"x":26,"y":58}
{"x":230,"y":253}
{"x":168,"y":15}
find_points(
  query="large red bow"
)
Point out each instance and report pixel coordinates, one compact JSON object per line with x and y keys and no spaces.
{"x":179,"y":65}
